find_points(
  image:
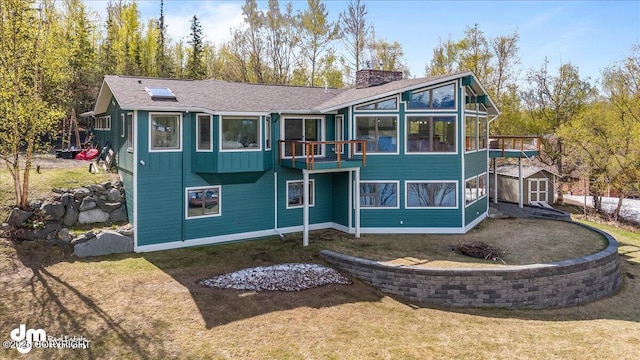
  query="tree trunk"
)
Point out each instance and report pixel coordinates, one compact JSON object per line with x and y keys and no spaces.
{"x":560,"y":199}
{"x":616,"y":213}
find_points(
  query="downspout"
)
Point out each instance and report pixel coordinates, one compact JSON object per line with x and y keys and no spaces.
{"x":134,"y":167}
{"x":275,"y":201}
{"x":305,"y":208}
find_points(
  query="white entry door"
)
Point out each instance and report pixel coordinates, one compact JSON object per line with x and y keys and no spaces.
{"x":538,"y":190}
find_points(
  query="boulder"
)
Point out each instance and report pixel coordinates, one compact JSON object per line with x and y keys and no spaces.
{"x":119,"y":215}
{"x":54,"y":210}
{"x":106,"y":242}
{"x":35,"y":203}
{"x":95,"y":188}
{"x":93,"y":216}
{"x":107,"y":185}
{"x":113,"y":195}
{"x":71,"y":215}
{"x":17,"y":217}
{"x":88,"y":203}
{"x":66,"y":199}
{"x":81,"y":193}
{"x":64,"y":235}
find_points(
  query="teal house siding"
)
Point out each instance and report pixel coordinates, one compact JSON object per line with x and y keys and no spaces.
{"x":340,"y":198}
{"x":160,"y":190}
{"x":476,"y":210}
{"x":475,"y":163}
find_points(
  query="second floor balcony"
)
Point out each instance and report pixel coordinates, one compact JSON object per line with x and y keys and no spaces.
{"x":317,"y":155}
{"x":514,"y":146}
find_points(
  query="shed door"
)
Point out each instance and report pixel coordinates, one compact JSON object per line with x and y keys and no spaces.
{"x":538,"y":190}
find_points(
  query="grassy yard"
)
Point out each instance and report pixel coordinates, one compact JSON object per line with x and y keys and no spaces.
{"x":148,"y":306}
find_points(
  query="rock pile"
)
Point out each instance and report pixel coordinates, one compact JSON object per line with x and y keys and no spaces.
{"x":48,"y":219}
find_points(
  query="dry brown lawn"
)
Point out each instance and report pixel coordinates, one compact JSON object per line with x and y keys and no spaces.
{"x":148,"y":306}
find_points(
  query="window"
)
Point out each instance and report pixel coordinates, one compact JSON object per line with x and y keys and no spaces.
{"x":431,"y":194}
{"x":439,"y":98}
{"x":431,"y":134}
{"x":165,"y":132}
{"x":103,"y":123}
{"x":295,"y":193}
{"x":471,"y":133}
{"x":475,"y":188}
{"x":379,"y":195}
{"x":267,"y":132}
{"x":240,"y":133}
{"x":381,"y":133}
{"x":129,"y":126}
{"x":204,"y":133}
{"x":482,"y":133}
{"x":203,"y":201}
{"x":339,"y":132}
{"x":388,"y":104}
{"x":302,"y":129}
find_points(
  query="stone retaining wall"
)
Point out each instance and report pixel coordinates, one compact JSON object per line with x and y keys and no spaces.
{"x":48,"y":219}
{"x":565,"y":283}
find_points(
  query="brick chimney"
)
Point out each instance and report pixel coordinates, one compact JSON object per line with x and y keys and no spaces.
{"x":370,"y":77}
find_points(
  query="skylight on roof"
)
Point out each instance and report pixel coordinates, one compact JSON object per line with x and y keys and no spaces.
{"x":161,"y":93}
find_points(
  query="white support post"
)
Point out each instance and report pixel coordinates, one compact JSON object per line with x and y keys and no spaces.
{"x":520,"y":197}
{"x":305,"y":208}
{"x":495,"y":182}
{"x":350,"y":202}
{"x":357,"y":201}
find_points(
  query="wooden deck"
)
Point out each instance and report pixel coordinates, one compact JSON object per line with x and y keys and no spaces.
{"x":317,"y":155}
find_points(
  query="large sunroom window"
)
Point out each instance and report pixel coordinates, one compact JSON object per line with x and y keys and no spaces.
{"x":475,"y":188}
{"x":438,"y":98}
{"x":379,"y":195}
{"x":431,"y":194}
{"x":381,"y":133}
{"x":431,"y":134}
{"x":240,"y":133}
{"x":388,"y":104}
{"x":165,"y":132}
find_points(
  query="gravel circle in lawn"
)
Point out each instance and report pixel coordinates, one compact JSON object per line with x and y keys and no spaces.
{"x":283,"y":277}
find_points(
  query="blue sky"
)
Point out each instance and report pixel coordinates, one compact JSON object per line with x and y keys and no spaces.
{"x":589,"y":34}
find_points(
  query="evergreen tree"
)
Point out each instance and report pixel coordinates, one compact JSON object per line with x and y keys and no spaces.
{"x":196,"y":68}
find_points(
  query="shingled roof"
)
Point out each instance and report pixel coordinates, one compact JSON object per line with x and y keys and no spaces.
{"x":221,"y":96}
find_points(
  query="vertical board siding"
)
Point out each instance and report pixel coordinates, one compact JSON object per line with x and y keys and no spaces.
{"x":340,"y":198}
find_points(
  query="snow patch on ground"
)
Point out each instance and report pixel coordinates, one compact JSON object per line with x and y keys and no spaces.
{"x":630,"y":210}
{"x":283,"y":277}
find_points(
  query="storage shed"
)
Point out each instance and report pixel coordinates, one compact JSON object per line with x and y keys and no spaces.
{"x":537,"y":186}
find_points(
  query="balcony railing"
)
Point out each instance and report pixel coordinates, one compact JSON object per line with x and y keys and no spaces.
{"x":511,"y":143}
{"x":312,"y":151}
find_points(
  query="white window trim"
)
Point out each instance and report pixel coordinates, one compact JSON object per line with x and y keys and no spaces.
{"x":455,"y":101}
{"x":429,"y":153}
{"x":313,"y":194}
{"x":397,"y":206}
{"x":210,"y":149}
{"x":179,"y":126}
{"x":122,"y":125}
{"x":406,"y":194}
{"x":375,"y":153}
{"x":107,"y":120}
{"x":477,"y":134}
{"x":323,"y":133}
{"x":477,"y":177}
{"x":186,"y":201}
{"x":239,"y":117}
{"x":396,"y":97}
{"x":133,"y":138}
{"x":268,"y":141}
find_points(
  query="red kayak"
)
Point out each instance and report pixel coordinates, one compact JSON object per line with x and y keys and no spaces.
{"x":87,"y":154}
